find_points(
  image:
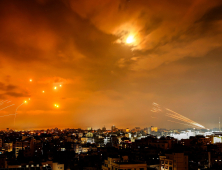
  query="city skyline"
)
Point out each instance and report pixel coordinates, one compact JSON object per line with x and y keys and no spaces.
{"x":67,"y":63}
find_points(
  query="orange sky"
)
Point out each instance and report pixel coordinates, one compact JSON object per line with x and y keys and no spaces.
{"x":174,"y":60}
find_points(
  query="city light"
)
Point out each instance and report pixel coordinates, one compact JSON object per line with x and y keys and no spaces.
{"x":116,"y":59}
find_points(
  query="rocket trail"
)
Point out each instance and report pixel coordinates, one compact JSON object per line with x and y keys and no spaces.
{"x":180,"y":123}
{"x":181,"y":119}
{"x":185,"y":118}
{"x":7,"y":115}
{"x":7,"y":107}
{"x":174,"y":115}
{"x":16,"y":111}
{"x":2,"y":102}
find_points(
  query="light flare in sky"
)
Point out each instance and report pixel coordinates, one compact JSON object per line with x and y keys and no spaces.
{"x":56,"y":105}
{"x":130,"y":39}
{"x":24,"y":102}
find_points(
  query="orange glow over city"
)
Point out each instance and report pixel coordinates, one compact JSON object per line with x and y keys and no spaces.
{"x":80,"y":63}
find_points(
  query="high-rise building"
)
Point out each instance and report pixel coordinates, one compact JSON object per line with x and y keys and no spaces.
{"x":104,"y":128}
{"x":113,"y":128}
{"x":149,"y":130}
{"x":18,"y":147}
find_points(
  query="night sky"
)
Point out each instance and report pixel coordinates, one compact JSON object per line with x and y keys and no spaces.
{"x":113,"y":59}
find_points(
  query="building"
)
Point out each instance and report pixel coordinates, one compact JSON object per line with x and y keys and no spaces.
{"x":113,"y":128}
{"x":57,"y":166}
{"x":77,"y":148}
{"x":0,"y":143}
{"x":128,"y":135}
{"x":127,"y":130}
{"x":104,"y":128}
{"x":154,"y":129}
{"x":89,"y":135}
{"x":80,"y":135}
{"x":137,"y":129}
{"x":3,"y":162}
{"x":149,"y":130}
{"x":123,"y":163}
{"x":8,"y":147}
{"x":87,"y":140}
{"x":174,"y":161}
{"x":18,"y":147}
{"x":89,"y":128}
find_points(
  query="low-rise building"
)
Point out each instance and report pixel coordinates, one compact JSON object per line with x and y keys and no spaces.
{"x":174,"y":161}
{"x":123,"y":163}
